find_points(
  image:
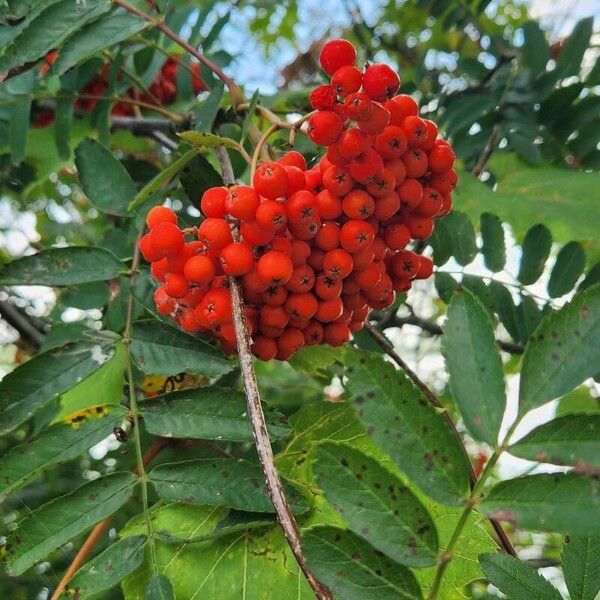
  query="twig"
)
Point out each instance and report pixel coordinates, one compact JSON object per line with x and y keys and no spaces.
{"x":19,"y":321}
{"x":387,"y":347}
{"x":257,"y":418}
{"x":488,"y":150}
{"x":96,"y":534}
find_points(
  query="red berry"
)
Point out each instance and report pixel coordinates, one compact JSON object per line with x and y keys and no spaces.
{"x":176,"y":285}
{"x":242,"y":201}
{"x":166,"y":238}
{"x":323,"y":97}
{"x":237,"y":258}
{"x":160,"y":214}
{"x":391,"y":142}
{"x":358,"y":204}
{"x":377,"y":121}
{"x":337,"y":263}
{"x":416,"y":163}
{"x":338,"y":180}
{"x":353,"y":143}
{"x":264,"y":348}
{"x":346,"y":80}
{"x":199,"y":269}
{"x":271,"y":180}
{"x":380,"y":81}
{"x":271,"y":213}
{"x":324,"y":128}
{"x":215,"y":233}
{"x":275,"y":267}
{"x":356,"y":235}
{"x":358,"y":106}
{"x":397,"y":236}
{"x":293,"y":158}
{"x":336,"y":54}
{"x":411,"y":193}
{"x":441,"y":158}
{"x":212,"y":203}
{"x":301,"y":306}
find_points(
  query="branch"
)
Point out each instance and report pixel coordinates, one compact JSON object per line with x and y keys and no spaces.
{"x":257,"y":418}
{"x":387,"y":347}
{"x":20,"y":321}
{"x":436,"y":330}
{"x":96,"y":534}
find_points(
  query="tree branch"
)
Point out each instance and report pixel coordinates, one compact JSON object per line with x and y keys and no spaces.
{"x":488,"y":150}
{"x":18,"y":320}
{"x":387,"y":347}
{"x":257,"y":418}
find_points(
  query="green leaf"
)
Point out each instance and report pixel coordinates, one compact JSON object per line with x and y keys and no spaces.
{"x":403,"y":424}
{"x":376,"y":504}
{"x":527,"y":317}
{"x":197,"y":176}
{"x":159,"y":588}
{"x":563,"y":352}
{"x":455,"y":237}
{"x":206,"y":112}
{"x":517,"y":579}
{"x":62,"y":127}
{"x":567,"y":269}
{"x":106,"y":32}
{"x":571,"y":54}
{"x":536,"y":250}
{"x":18,"y":128}
{"x":57,"y":444}
{"x":354,"y":570}
{"x":49,"y":29}
{"x":210,"y":413}
{"x":62,"y":266}
{"x":568,"y":440}
{"x":64,"y":518}
{"x":40,"y":380}
{"x":249,"y":115}
{"x":104,"y":179}
{"x":207,"y":140}
{"x":474,"y":366}
{"x":492,"y":238}
{"x":109,"y":568}
{"x":535,"y":52}
{"x":254,"y":564}
{"x":581,"y":566}
{"x":445,"y":285}
{"x":505,"y":307}
{"x":220,"y":482}
{"x":592,"y":277}
{"x":562,"y":502}
{"x":160,"y":349}
{"x":162,"y":178}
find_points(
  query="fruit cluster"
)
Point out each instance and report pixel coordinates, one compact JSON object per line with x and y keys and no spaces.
{"x":316,"y":249}
{"x":162,"y":91}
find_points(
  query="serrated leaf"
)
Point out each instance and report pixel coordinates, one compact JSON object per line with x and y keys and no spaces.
{"x":64,"y":518}
{"x":566,"y":503}
{"x":59,"y":443}
{"x":40,"y":380}
{"x":563,"y":351}
{"x":567,"y":269}
{"x":49,"y":29}
{"x":206,"y":111}
{"x":536,"y":250}
{"x":160,"y":349}
{"x":535,"y":52}
{"x":249,"y":115}
{"x":354,"y":570}
{"x":581,"y":566}
{"x":207,"y":140}
{"x":62,"y":127}
{"x":474,"y":366}
{"x":567,"y":440}
{"x":18,"y":129}
{"x":517,"y":579}
{"x":210,"y":413}
{"x":220,"y":482}
{"x":108,"y":31}
{"x":162,"y":178}
{"x":493,"y":247}
{"x":109,"y":568}
{"x":159,"y":588}
{"x":104,"y":179}
{"x":403,"y":424}
{"x":375,"y":504}
{"x":62,"y":266}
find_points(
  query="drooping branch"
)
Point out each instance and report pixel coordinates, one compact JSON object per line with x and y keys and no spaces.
{"x":257,"y":418}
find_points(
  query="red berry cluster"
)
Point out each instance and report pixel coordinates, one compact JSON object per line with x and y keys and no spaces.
{"x":318,"y":248}
{"x":163,"y":89}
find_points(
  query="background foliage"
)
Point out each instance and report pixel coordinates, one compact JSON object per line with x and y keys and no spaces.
{"x":517,"y":276}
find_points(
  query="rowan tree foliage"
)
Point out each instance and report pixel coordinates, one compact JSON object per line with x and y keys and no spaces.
{"x":450,"y":449}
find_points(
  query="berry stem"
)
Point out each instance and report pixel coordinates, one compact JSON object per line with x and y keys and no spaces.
{"x":259,"y":146}
{"x":257,"y":418}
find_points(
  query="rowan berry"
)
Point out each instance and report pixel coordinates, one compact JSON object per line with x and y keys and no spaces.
{"x":441,"y":158}
{"x":334,"y":157}
{"x":424,"y":268}
{"x":338,"y":180}
{"x":356,"y":235}
{"x":301,"y":206}
{"x":387,"y":206}
{"x":314,"y":180}
{"x":160,"y":214}
{"x":416,"y":131}
{"x":368,"y":277}
{"x":149,"y":252}
{"x":380,"y":81}
{"x":264,"y":348}
{"x":358,"y":106}
{"x":256,"y":234}
{"x":329,"y":205}
{"x":323,"y":97}
{"x":296,"y":179}
{"x":407,"y":105}
{"x":346,"y":80}
{"x":336,"y":334}
{"x":271,"y":214}
{"x":327,"y":287}
{"x":329,"y":310}
{"x":391,"y":142}
{"x":237,"y":258}
{"x":420,"y":227}
{"x":358,"y":204}
{"x":212,"y":203}
{"x":325,"y":128}
{"x":199,"y":269}
{"x":431,"y":204}
{"x":274,"y":295}
{"x":271,"y":180}
{"x":446,"y":205}
{"x":300,"y":251}
{"x":289,"y":342}
{"x":337,"y":263}
{"x":382,"y":184}
{"x":176,"y":285}
{"x":274,"y":316}
{"x":353,"y":143}
{"x":293,"y":158}
{"x":215,"y":233}
{"x":363,"y":257}
{"x":302,"y":279}
{"x":275,"y":267}
{"x":301,"y":306}
{"x":336,"y":54}
{"x":411,"y":193}
{"x":416,"y":163}
{"x":397,"y":168}
{"x":166,"y":239}
{"x":313,"y":333}
{"x":397,"y":236}
{"x":377,"y":120}
{"x":163,"y":302}
{"x":405,"y":264}
{"x":367,"y":166}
